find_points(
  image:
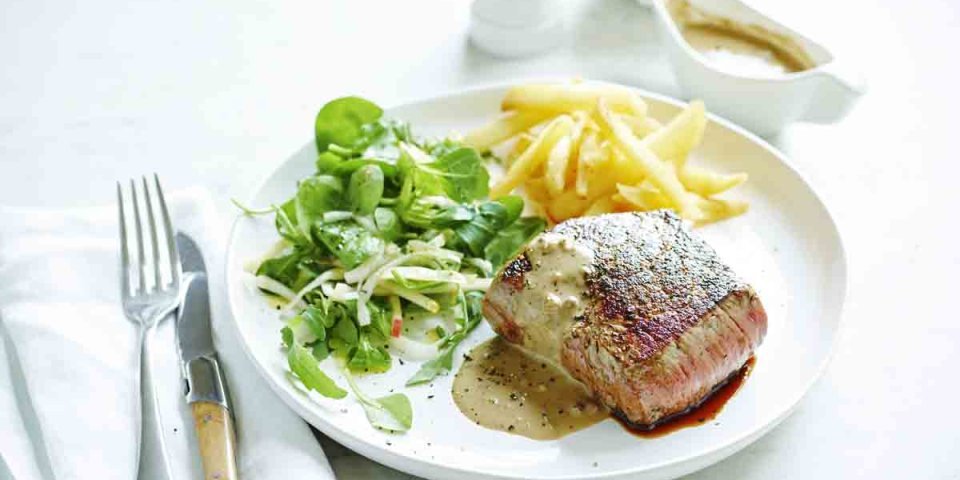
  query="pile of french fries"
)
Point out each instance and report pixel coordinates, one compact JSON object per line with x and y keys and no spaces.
{"x":578,"y":149}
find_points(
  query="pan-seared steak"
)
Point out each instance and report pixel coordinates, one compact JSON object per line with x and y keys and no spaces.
{"x":633,"y":305}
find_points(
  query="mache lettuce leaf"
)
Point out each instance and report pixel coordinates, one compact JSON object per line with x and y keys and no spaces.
{"x":343,"y":121}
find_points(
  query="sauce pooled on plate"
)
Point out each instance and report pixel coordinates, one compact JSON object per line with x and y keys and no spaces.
{"x":501,"y":387}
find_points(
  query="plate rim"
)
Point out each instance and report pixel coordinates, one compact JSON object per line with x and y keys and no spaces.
{"x":417,"y":465}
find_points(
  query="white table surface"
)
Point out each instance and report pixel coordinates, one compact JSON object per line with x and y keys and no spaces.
{"x":218,"y":93}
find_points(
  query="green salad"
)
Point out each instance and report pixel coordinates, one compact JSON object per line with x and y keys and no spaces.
{"x":386,"y":250}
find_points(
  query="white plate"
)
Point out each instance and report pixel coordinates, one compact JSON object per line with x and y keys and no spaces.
{"x":787,"y":246}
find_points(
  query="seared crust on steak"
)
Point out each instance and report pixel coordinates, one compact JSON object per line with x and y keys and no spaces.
{"x":664,"y":321}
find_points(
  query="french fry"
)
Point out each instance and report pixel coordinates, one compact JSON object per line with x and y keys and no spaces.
{"x":501,"y":129}
{"x":556,"y":167}
{"x":600,"y":206}
{"x":621,"y":204}
{"x":589,"y":124}
{"x":588,"y":156}
{"x":565,"y":98}
{"x":640,"y":126}
{"x":678,"y":137}
{"x":570,"y":175}
{"x":536,"y":190}
{"x":582,"y":126}
{"x":715,"y":209}
{"x":566,"y":205}
{"x":661,"y":174}
{"x":561,"y":162}
{"x":706,"y":183}
{"x":508,"y":150}
{"x":522,"y":142}
{"x":599,"y":179}
{"x":643,"y":197}
{"x":534,"y":156}
{"x":627,"y":171}
{"x":587,"y":148}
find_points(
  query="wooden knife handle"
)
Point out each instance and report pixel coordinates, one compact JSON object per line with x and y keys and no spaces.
{"x":217,"y":440}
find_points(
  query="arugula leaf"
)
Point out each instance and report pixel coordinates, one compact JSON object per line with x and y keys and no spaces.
{"x":306,"y":368}
{"x":513,"y":205}
{"x":398,"y":405}
{"x":295,"y":269}
{"x":284,"y":269}
{"x":443,"y":362}
{"x":391,"y":412}
{"x":466,"y":177}
{"x":323,"y":312}
{"x":434,"y":367}
{"x":318,"y":320}
{"x":349,"y":242}
{"x":319,"y":350}
{"x":346,"y":331}
{"x":366,"y":357}
{"x":508,"y":242}
{"x":439,"y":148}
{"x":491,"y":218}
{"x":301,"y":331}
{"x":341,"y":122}
{"x":459,"y":174}
{"x":379,"y":327}
{"x":426,"y":213}
{"x":286,"y":222}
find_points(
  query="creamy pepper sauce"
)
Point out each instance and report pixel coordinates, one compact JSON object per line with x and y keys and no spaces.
{"x":501,"y":387}
{"x":738,"y":53}
{"x":552,"y":293}
{"x":739,"y":48}
{"x":522,"y":390}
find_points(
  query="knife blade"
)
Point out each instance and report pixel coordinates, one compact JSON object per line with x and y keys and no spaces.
{"x":204,"y":383}
{"x":193,"y":320}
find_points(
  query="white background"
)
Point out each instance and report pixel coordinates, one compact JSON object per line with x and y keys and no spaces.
{"x":217,"y":93}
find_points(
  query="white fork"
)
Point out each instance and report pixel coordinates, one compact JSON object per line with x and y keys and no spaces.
{"x":149,"y":289}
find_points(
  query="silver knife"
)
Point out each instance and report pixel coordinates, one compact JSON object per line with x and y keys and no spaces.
{"x":205,"y":385}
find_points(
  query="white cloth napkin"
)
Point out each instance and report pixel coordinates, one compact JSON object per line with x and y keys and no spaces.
{"x":68,"y":401}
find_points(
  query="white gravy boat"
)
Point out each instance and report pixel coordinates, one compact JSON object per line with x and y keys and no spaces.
{"x":762,"y":104}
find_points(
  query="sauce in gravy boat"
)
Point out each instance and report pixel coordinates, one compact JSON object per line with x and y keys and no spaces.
{"x":750,"y":69}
